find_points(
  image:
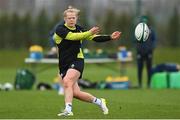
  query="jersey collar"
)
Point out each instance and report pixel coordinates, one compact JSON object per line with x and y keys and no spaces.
{"x":71,"y":28}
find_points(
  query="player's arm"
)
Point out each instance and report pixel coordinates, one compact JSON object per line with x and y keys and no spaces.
{"x":83,"y":35}
{"x":104,"y":38}
{"x":99,"y":38}
{"x":62,"y":33}
{"x":78,"y":36}
{"x":73,"y":36}
{"x":66,"y":34}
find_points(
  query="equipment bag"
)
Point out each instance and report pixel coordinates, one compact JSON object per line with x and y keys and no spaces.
{"x":24,"y":79}
{"x":174,"y":79}
{"x":159,"y":80}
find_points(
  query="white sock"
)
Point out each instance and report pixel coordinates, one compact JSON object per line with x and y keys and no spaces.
{"x":68,"y":107}
{"x":97,"y":101}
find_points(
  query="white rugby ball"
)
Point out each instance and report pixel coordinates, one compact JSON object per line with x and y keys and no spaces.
{"x":142,"y":32}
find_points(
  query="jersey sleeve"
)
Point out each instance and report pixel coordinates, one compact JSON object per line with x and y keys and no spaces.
{"x":78,"y":35}
{"x":99,"y":38}
{"x":62,"y":32}
{"x":102,"y":38}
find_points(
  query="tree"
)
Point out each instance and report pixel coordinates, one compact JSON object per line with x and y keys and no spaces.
{"x":56,"y":18}
{"x":108,"y":23}
{"x":4,"y":28}
{"x":42,"y":28}
{"x":26,"y":30}
{"x":14,"y":31}
{"x":174,"y":29}
{"x":124,"y":23}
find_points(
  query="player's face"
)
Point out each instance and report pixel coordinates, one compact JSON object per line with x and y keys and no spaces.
{"x":70,"y":19}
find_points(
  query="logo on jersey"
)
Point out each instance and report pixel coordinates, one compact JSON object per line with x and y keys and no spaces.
{"x":72,"y":66}
{"x":61,"y":74}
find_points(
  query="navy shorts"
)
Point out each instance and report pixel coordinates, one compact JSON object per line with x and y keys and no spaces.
{"x":77,"y":65}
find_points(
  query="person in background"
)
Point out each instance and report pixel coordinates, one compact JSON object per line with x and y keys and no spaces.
{"x":165,"y":67}
{"x":145,"y":53}
{"x":69,"y":38}
{"x":51,"y":33}
{"x":52,"y":53}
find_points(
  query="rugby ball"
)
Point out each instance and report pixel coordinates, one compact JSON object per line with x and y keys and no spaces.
{"x":141,"y":32}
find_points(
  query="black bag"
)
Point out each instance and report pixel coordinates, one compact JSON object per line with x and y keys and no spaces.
{"x":84,"y":83}
{"x":24,"y":79}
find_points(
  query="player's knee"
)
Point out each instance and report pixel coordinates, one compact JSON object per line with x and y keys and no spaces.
{"x":67,"y":83}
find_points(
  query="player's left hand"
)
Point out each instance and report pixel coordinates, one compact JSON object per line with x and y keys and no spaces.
{"x":115,"y":35}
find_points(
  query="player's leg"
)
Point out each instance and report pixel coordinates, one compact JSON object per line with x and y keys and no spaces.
{"x":84,"y":96}
{"x":87,"y":97}
{"x":69,"y":80}
{"x":61,"y":89}
{"x":140,"y":69}
{"x":149,"y":67}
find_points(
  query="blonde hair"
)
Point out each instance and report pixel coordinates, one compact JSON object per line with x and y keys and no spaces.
{"x":71,"y":9}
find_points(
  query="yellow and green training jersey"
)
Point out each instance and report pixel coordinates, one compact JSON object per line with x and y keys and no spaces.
{"x":69,"y":42}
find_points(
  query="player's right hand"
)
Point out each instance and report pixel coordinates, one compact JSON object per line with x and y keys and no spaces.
{"x":94,"y":30}
{"x":115,"y":35}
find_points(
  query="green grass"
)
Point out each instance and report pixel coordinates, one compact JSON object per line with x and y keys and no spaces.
{"x":163,"y":55}
{"x":132,"y":103}
{"x":122,"y":104}
{"x":92,"y":72}
{"x":11,"y":61}
{"x":12,"y":58}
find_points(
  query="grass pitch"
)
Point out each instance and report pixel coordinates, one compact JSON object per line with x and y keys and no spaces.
{"x":144,"y":103}
{"x":135,"y":103}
